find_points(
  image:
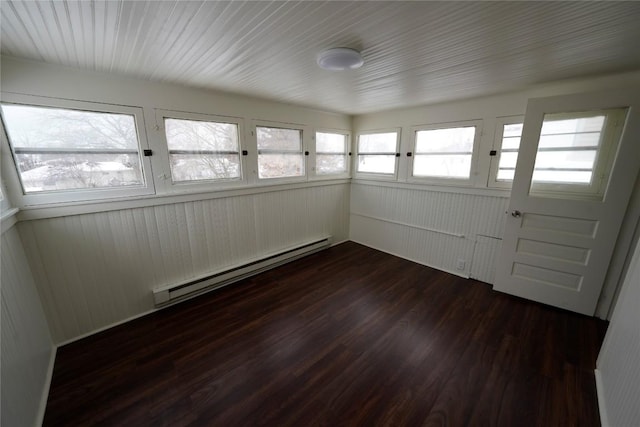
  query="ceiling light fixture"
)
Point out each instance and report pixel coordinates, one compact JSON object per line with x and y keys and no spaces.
{"x":340,"y":59}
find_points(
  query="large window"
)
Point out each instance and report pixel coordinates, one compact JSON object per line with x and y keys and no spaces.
{"x":69,"y":150}
{"x":444,"y":153}
{"x":377,"y":153}
{"x":331,"y":153}
{"x":202,"y":150}
{"x":280,"y":152}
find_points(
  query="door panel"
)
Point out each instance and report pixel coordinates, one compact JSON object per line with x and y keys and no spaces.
{"x":559,"y":236}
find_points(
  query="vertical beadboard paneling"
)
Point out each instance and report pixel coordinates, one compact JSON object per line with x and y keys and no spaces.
{"x":381,"y":216}
{"x":484,"y":258}
{"x":618,"y":368}
{"x":97,"y":269}
{"x":26,"y":347}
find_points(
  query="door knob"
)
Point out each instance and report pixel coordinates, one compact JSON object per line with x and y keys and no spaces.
{"x":516,"y":214}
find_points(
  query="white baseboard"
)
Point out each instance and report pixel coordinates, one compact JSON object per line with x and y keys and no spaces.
{"x":109,"y":326}
{"x":47,"y":386}
{"x":604,"y":419}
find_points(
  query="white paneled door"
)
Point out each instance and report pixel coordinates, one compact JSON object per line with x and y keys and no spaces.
{"x":577,"y":166}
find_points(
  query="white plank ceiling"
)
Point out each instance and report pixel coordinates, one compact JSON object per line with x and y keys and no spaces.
{"x":415,"y":52}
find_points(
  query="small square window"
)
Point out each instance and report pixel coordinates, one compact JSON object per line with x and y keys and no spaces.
{"x":202,"y":150}
{"x":279,"y":152}
{"x":377,"y":153}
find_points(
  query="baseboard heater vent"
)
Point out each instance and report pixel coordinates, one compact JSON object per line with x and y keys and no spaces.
{"x":174,"y":293}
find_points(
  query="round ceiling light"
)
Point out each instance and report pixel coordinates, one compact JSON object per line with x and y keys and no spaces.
{"x":339,"y":59}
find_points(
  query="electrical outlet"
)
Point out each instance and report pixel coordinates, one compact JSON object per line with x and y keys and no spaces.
{"x":460,"y":264}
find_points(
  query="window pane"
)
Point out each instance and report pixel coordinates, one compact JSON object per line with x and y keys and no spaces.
{"x":280,"y":165}
{"x":506,"y":174}
{"x":202,"y":150}
{"x":569,"y":140}
{"x":61,"y":149}
{"x":201,"y":135}
{"x":511,"y":143}
{"x":552,"y":126}
{"x":512,"y":130}
{"x":446,"y":166}
{"x":458,"y":140}
{"x":279,"y":139}
{"x":50,"y":128}
{"x":377,"y":143}
{"x":330,"y":163}
{"x":564,"y":177}
{"x":565,"y":159}
{"x":508,"y":160}
{"x":330,"y":142}
{"x":377,"y":163}
{"x":195,"y":167}
{"x":51,"y":172}
{"x":568,"y":149}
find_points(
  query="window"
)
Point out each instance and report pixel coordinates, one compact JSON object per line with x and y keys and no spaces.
{"x":503,"y":160}
{"x":575,"y":151}
{"x":331,"y":153}
{"x":444,"y":152}
{"x":90,"y":153}
{"x":279,"y":152}
{"x":377,"y":153}
{"x":202,"y":150}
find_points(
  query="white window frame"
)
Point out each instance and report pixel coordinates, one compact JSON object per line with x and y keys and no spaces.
{"x":373,"y":175}
{"x":304,"y":144}
{"x":435,"y":180}
{"x":602,"y":166}
{"x":79,"y":195}
{"x":348,"y":154}
{"x":611,"y":133}
{"x":5,"y":203}
{"x":200,"y":185}
{"x":501,"y":122}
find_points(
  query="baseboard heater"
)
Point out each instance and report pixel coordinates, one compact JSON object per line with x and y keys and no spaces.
{"x":173,"y":293}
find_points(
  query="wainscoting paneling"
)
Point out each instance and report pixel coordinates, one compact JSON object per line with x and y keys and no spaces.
{"x":26,"y":349}
{"x":485,"y":256}
{"x":97,"y":269}
{"x":434,"y":228}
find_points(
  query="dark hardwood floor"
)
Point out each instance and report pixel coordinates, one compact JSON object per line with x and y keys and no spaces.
{"x":348,"y":336}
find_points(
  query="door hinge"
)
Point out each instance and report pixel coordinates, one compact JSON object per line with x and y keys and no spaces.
{"x":147,"y":153}
{"x":493,"y":153}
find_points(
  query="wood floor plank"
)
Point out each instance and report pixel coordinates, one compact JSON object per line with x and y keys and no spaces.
{"x":349,"y":336}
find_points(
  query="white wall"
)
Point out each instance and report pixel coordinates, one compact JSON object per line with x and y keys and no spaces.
{"x":618,"y":370}
{"x":26,"y":348}
{"x":475,"y":210}
{"x":96,"y":264}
